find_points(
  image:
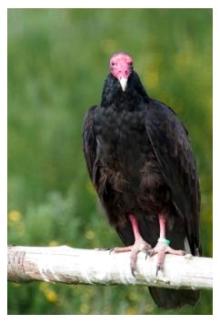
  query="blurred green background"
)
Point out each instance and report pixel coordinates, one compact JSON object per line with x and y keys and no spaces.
{"x":57,"y":62}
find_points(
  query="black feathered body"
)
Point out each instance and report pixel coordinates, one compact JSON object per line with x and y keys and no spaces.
{"x":127,"y":159}
{"x":140,"y":161}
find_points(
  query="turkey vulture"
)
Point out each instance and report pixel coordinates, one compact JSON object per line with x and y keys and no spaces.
{"x":140,"y":161}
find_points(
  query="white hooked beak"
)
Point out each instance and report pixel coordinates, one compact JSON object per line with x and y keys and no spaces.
{"x":123,"y":82}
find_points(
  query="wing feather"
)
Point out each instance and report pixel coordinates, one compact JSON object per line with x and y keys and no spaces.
{"x":111,"y":200}
{"x":89,"y":141}
{"x":172,"y":148}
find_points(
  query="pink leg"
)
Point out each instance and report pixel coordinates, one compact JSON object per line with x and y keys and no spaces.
{"x":162,"y":223}
{"x":162,"y":247}
{"x":135,"y":228}
{"x":139,"y":244}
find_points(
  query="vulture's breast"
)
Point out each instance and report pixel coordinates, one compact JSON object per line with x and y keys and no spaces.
{"x":121,"y":136}
{"x":127,"y":158}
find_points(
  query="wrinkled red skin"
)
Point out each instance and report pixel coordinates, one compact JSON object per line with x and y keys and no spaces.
{"x":121,"y":65}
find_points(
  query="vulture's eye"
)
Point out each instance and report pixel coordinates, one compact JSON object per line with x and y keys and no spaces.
{"x":113,"y":63}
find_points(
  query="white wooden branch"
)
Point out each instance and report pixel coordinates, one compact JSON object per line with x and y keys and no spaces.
{"x":74,"y":266}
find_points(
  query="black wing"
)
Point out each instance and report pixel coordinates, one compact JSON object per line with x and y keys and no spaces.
{"x":173,"y":151}
{"x":89,"y":141}
{"x":110,"y":199}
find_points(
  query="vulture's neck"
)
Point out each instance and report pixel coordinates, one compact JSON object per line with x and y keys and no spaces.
{"x":134,"y":95}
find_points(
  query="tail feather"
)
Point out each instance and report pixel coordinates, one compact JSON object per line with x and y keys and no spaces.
{"x":170,"y":298}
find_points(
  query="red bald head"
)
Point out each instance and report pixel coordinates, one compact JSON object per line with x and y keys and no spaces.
{"x":121,"y":66}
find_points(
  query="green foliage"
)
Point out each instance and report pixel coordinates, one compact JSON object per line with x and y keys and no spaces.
{"x":58,"y":60}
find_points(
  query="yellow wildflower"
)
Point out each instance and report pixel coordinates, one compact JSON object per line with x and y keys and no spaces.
{"x":49,"y":293}
{"x":14,"y":216}
{"x":90,"y":235}
{"x":51,"y":296}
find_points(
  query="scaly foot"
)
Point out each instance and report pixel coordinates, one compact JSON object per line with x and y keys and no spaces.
{"x":161,"y":248}
{"x":139,"y":245}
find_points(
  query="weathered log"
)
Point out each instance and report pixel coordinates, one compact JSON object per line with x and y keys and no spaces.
{"x":78,"y":266}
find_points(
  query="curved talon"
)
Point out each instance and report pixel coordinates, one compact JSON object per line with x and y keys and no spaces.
{"x":138,"y":246}
{"x":142,"y":246}
{"x":133,"y":260}
{"x":176,"y":252}
{"x":160,"y":261}
{"x":161,"y":250}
